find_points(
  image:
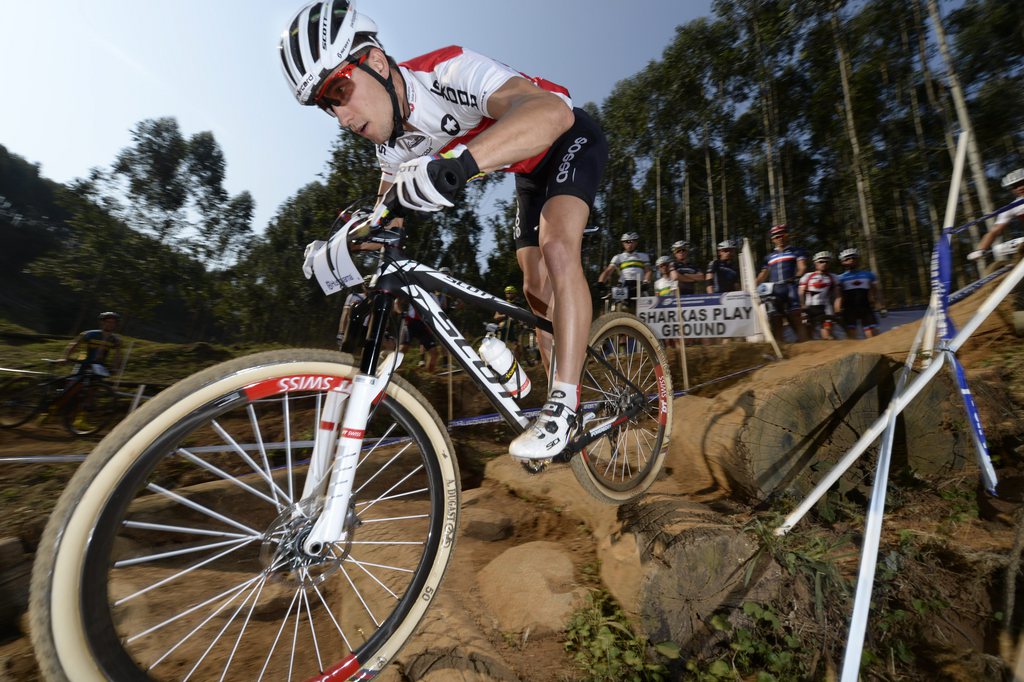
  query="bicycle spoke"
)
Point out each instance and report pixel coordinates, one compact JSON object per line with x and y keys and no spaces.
{"x":153,"y":487}
{"x":258,"y":435}
{"x":141,"y":525}
{"x":241,"y":631}
{"x":134,"y":561}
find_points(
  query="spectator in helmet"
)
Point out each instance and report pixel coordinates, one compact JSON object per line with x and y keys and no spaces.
{"x":1013,"y":181}
{"x":506,"y":324}
{"x":861,"y":296}
{"x":683,"y":271}
{"x":665,"y":285}
{"x":722,"y":274}
{"x":632,"y":267}
{"x":501,"y":120}
{"x":783,"y":267}
{"x":821,"y":296}
{"x":102,"y":347}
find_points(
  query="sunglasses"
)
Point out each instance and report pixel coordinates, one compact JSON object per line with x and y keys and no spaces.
{"x":629,"y":241}
{"x":337,"y":89}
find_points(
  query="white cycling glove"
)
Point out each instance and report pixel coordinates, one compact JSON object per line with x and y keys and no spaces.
{"x":430,"y":183}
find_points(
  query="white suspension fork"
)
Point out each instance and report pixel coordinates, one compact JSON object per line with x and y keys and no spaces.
{"x":330,"y":526}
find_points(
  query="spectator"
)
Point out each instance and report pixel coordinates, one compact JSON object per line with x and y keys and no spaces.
{"x":352,"y":326}
{"x":1013,"y":181}
{"x":685,"y":273}
{"x":784,"y":266}
{"x":665,"y":285}
{"x":861,"y":295}
{"x":821,"y":296}
{"x":723,"y":274}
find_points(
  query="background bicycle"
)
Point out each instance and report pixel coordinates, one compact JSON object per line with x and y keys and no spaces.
{"x":84,"y":401}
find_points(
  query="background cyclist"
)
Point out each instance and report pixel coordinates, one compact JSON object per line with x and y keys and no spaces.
{"x":632,"y":267}
{"x":472,"y":115}
{"x":784,"y":266}
{"x":102,"y":347}
{"x":861,"y":295}
{"x":1013,"y":181}
{"x":821,"y":296}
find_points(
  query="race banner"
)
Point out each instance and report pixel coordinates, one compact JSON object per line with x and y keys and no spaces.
{"x":703,"y":316}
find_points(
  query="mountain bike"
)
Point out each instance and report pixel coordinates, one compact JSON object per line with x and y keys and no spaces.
{"x":84,"y":401}
{"x":289,"y":515}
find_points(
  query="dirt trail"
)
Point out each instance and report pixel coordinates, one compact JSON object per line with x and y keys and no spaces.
{"x":459,"y":639}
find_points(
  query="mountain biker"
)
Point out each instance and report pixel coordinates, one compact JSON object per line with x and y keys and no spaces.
{"x":685,"y":273}
{"x":861,"y":295}
{"x":821,"y":295}
{"x":102,"y":347}
{"x":633,"y":267}
{"x":1013,"y":181}
{"x":453,"y":114}
{"x":722,"y":274}
{"x":784,"y":266}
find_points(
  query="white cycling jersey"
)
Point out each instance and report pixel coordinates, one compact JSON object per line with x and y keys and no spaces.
{"x":447,"y":92}
{"x":820,"y":288}
{"x":631,"y":266}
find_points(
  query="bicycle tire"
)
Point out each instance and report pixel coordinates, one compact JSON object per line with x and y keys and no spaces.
{"x":621,"y":465}
{"x":127,"y":578}
{"x":20,"y":400}
{"x":90,"y":410}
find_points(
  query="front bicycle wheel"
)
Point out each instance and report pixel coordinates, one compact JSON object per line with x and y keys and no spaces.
{"x":627,"y":363}
{"x":176,"y":550}
{"x":20,"y":398}
{"x":91,"y":409}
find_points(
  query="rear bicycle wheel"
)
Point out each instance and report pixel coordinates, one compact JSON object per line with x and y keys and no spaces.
{"x":90,"y":410}
{"x":175,"y":551}
{"x":20,"y":399}
{"x":625,"y":462}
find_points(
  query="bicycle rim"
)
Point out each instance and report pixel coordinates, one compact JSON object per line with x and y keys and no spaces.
{"x":189,"y":568}
{"x":19,"y":400}
{"x":624,"y":463}
{"x":91,"y":410}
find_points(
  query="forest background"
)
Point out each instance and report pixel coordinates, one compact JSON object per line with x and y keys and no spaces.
{"x":837,"y":118}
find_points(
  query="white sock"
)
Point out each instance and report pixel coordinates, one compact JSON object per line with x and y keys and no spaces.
{"x":565,"y":393}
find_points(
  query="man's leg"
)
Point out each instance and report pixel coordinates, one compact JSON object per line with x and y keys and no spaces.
{"x":569,"y":308}
{"x":537,"y":290}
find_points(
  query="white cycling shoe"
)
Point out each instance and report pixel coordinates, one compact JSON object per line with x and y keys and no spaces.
{"x":547,"y":436}
{"x":975,"y":255}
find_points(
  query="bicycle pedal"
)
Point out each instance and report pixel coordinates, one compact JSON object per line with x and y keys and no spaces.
{"x":533,"y":466}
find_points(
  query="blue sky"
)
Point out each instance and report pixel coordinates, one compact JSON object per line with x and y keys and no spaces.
{"x":78,"y":74}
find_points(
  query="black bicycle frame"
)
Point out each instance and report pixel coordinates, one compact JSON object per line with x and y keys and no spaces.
{"x":398,"y":274}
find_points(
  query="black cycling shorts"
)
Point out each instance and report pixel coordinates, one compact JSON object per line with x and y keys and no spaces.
{"x":573,"y":165}
{"x":862,"y":314}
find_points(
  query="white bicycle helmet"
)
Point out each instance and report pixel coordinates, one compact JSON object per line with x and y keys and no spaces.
{"x":630,"y":236}
{"x":685,"y":245}
{"x":726,"y":245}
{"x":663,"y":260}
{"x":318,"y":39}
{"x":848,"y":253}
{"x":1013,"y":178}
{"x":823,"y":256}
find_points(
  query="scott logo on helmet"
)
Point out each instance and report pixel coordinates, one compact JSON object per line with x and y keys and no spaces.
{"x":570,"y":154}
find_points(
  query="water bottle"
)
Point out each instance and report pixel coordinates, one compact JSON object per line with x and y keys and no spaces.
{"x":499,"y":358}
